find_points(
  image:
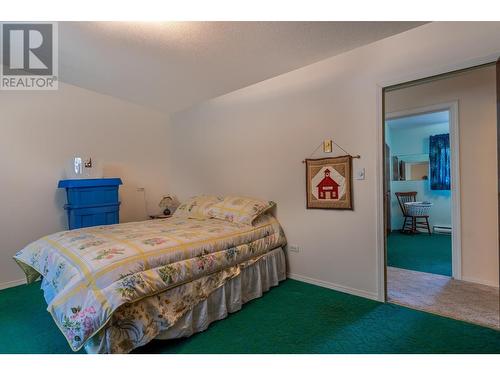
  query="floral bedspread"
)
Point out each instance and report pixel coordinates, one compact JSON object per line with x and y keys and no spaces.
{"x":135,"y":324}
{"x":91,"y":272}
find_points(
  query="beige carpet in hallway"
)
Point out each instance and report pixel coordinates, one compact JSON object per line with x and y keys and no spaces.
{"x":442,"y":295}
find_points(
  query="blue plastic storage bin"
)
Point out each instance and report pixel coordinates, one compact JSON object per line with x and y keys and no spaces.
{"x":92,"y":202}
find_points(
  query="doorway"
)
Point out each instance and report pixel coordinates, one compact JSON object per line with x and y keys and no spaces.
{"x":426,"y":195}
{"x":422,"y":164}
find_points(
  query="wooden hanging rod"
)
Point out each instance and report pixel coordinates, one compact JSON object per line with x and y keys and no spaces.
{"x":352,"y":156}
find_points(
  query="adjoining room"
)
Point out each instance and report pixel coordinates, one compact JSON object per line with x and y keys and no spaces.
{"x":417,"y":144}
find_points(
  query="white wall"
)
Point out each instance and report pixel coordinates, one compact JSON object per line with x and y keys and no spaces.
{"x":252,"y":142}
{"x":41,"y":131}
{"x":415,"y":140}
{"x":475,"y":92}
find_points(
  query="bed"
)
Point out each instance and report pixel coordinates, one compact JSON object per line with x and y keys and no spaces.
{"x":113,"y":288}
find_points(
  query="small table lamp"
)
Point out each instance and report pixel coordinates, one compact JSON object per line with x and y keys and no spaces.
{"x":168,"y":203}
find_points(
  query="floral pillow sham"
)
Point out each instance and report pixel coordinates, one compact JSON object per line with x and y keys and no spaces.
{"x":196,"y":207}
{"x":243,"y":210}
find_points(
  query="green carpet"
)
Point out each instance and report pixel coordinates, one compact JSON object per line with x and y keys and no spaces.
{"x":420,"y":252}
{"x":293,"y":318}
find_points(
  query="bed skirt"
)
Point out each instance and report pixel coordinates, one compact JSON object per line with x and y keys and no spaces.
{"x":202,"y":302}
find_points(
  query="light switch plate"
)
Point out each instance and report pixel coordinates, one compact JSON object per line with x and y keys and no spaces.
{"x":360,"y":174}
{"x":294,"y":248}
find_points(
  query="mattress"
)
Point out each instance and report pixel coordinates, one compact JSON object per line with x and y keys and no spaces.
{"x":89,"y":273}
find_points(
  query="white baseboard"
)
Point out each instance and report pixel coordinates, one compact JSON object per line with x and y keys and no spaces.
{"x":338,"y":288}
{"x":10,"y":284}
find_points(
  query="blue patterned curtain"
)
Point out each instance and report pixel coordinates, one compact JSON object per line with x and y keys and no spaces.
{"x":439,"y":158}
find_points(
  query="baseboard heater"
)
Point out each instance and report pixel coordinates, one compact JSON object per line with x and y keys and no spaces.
{"x":441,"y":229}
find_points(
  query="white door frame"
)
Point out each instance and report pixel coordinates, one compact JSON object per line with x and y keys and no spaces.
{"x":456,"y":238}
{"x":388,"y":81}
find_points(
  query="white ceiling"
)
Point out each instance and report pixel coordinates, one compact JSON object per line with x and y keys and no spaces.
{"x":171,"y":66}
{"x":419,"y":120}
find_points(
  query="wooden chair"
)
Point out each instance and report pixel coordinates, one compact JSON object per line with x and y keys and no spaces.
{"x":414,"y":222}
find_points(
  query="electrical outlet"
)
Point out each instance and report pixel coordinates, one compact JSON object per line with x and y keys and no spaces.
{"x":140,"y":189}
{"x":294,"y":248}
